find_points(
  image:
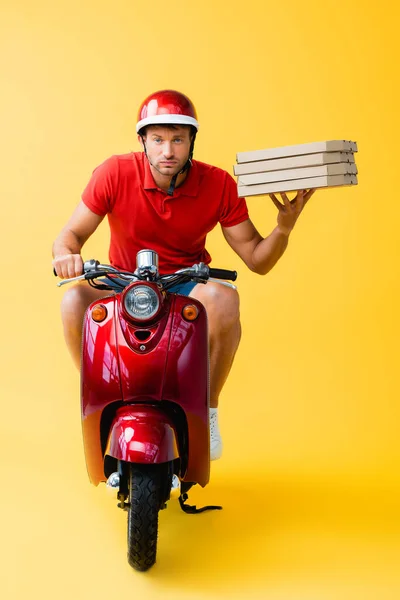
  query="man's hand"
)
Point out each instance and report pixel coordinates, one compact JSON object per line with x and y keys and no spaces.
{"x":68,"y":265}
{"x":290,"y":210}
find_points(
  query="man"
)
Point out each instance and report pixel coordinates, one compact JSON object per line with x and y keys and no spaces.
{"x":164,"y":200}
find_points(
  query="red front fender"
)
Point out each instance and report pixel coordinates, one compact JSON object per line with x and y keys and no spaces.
{"x":142,"y":434}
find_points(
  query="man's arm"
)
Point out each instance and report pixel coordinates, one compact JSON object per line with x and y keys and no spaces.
{"x":261,"y":254}
{"x":67,"y":247}
{"x":258,"y":253}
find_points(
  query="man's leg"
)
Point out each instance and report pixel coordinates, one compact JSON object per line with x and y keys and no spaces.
{"x":73,"y":306}
{"x":222,"y":306}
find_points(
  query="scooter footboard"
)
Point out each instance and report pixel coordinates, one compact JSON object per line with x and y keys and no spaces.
{"x":142,"y":433}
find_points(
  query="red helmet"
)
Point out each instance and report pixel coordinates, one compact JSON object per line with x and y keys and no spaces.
{"x":167,"y":107}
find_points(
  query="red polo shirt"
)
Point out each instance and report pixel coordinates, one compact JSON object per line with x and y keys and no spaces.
{"x":141,"y":215}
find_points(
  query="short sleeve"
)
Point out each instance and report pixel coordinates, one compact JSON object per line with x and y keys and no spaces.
{"x":100,"y":193}
{"x":233,"y":210}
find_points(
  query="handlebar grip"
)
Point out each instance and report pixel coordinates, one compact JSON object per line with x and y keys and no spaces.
{"x":223,"y":274}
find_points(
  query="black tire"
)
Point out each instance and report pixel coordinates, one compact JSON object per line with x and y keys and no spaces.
{"x":148,"y":490}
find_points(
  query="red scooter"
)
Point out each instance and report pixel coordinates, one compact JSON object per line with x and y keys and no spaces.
{"x":145,"y":392}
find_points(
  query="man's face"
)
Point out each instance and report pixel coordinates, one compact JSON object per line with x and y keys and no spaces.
{"x":168,"y":149}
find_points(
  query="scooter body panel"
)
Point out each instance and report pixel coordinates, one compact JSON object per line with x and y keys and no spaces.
{"x":173,"y":366}
{"x":143,"y":363}
{"x":189,"y":386}
{"x":100,"y":383}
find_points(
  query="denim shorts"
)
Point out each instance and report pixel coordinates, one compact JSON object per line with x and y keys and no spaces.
{"x":179,"y":288}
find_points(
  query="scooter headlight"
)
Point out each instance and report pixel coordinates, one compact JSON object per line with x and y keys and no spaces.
{"x":141,"y":302}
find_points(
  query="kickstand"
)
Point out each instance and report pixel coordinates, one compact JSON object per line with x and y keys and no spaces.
{"x":187,"y":508}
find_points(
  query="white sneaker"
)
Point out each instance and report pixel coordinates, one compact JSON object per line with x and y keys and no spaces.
{"x":215,"y":437}
{"x":175,"y":482}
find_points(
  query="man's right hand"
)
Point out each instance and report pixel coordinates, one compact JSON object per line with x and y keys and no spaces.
{"x":68,"y":265}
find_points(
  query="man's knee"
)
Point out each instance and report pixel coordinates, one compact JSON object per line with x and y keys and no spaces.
{"x":74,"y":304}
{"x":222,"y":305}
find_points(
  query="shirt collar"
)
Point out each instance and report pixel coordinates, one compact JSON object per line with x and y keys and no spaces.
{"x":190,"y":186}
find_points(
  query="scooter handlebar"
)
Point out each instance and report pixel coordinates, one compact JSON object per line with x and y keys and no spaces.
{"x":223,"y":274}
{"x":215,"y":273}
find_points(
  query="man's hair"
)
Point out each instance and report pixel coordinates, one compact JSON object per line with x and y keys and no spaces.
{"x":193,"y":130}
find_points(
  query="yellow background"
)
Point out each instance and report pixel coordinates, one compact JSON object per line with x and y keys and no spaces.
{"x":309,"y":480}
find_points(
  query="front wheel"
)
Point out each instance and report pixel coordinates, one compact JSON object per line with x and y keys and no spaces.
{"x":149,"y":487}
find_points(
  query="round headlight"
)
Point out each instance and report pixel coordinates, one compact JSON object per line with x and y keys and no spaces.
{"x":141,"y":302}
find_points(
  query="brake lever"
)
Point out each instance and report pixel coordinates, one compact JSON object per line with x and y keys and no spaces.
{"x":64,"y":281}
{"x":91,"y":274}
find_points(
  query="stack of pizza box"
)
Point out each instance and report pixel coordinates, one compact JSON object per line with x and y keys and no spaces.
{"x":291,"y":168}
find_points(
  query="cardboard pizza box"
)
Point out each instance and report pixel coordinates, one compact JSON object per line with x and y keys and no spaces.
{"x":307,"y":160}
{"x":300,"y":149}
{"x":297,"y":184}
{"x":288,"y":174}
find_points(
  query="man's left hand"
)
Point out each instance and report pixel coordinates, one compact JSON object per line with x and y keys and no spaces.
{"x":290,"y":210}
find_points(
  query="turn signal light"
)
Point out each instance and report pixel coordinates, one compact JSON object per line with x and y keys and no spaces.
{"x":99,"y":313}
{"x":190,"y":312}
